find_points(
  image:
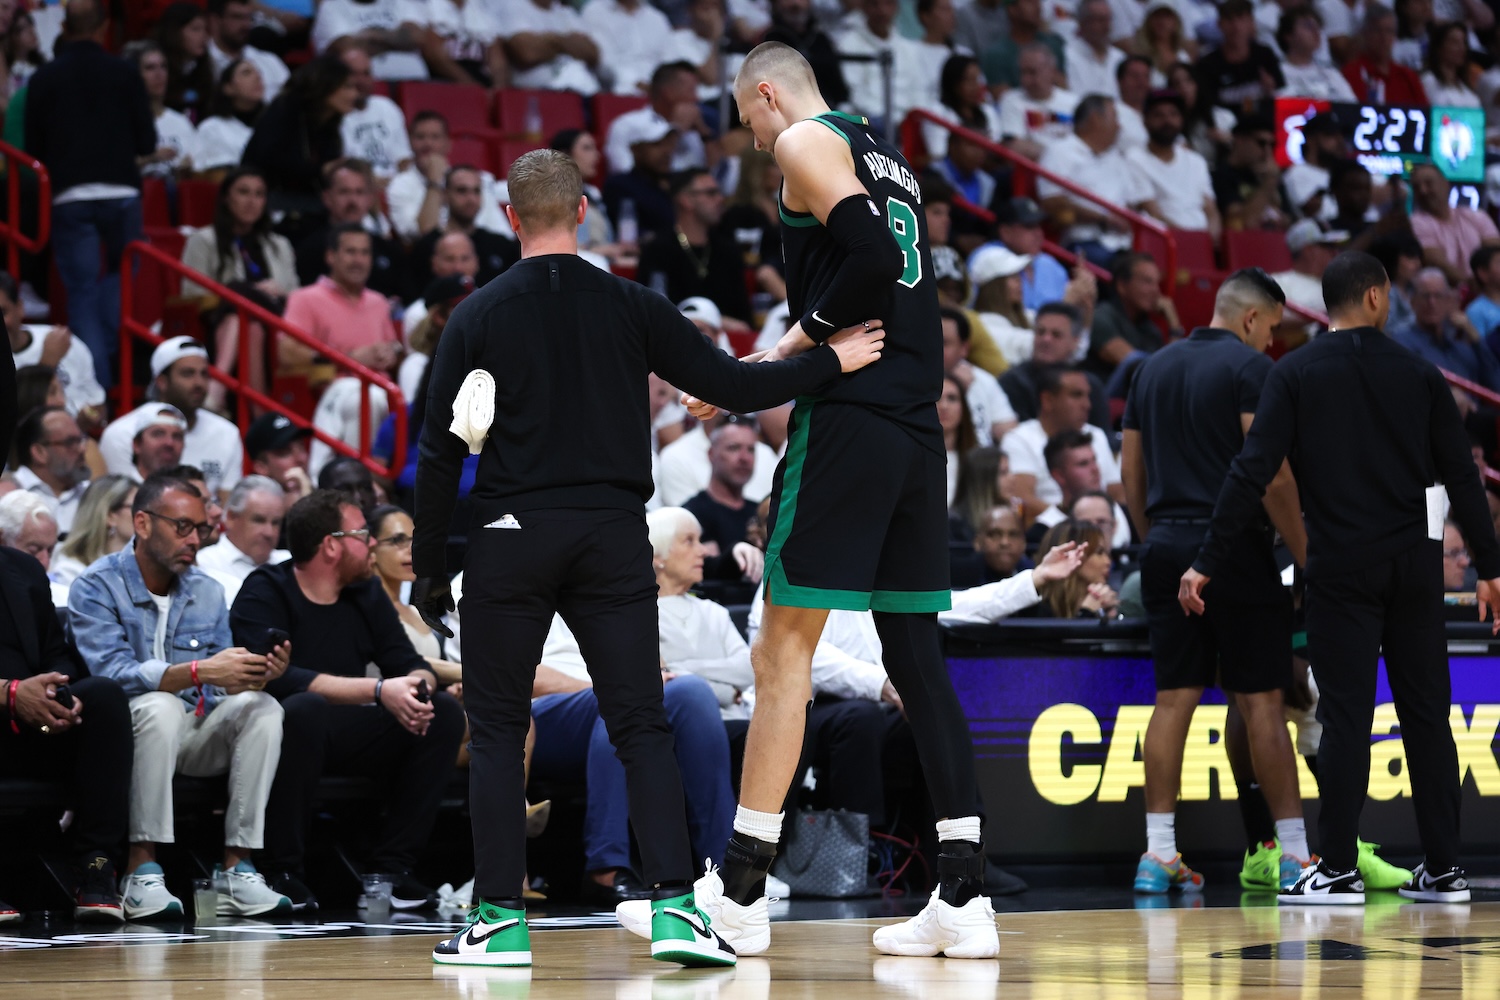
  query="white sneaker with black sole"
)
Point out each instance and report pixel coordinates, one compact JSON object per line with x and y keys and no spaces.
{"x":1451,"y":886}
{"x":966,"y":931}
{"x":747,"y":929}
{"x":1321,"y":886}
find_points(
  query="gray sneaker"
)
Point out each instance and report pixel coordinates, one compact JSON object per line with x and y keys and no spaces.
{"x":243,"y":892}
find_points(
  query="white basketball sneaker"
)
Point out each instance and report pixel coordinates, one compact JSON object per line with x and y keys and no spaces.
{"x":746,"y":929}
{"x":966,"y":931}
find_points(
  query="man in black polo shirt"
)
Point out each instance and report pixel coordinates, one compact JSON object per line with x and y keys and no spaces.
{"x":1189,"y":409}
{"x":1371,"y":432}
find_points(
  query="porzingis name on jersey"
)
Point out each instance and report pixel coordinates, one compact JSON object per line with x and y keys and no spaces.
{"x":883,"y":166}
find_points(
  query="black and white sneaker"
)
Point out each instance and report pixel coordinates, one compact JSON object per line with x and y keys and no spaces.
{"x":1451,"y":886}
{"x":1319,"y":885}
{"x":409,"y":894}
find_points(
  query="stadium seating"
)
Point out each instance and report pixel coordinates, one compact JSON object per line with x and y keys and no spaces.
{"x":1256,"y":248}
{"x":559,"y":109}
{"x":465,"y":105}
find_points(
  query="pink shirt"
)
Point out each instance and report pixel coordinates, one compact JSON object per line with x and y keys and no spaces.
{"x":326,"y":311}
{"x":1458,"y":238}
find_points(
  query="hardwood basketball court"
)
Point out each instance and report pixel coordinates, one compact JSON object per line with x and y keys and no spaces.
{"x":1386,"y":949}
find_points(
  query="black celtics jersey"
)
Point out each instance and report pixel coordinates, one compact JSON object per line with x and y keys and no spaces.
{"x":905,"y":383}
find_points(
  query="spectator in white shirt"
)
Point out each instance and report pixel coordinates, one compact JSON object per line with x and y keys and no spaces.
{"x":467,"y":43}
{"x":236,"y":106}
{"x":874,"y":31}
{"x":1312,"y":249}
{"x":1178,"y":177}
{"x":1446,"y":78}
{"x":963,"y":99}
{"x":698,"y":44}
{"x":229,"y":24}
{"x":375,"y":131}
{"x":1091,"y":57}
{"x":674,"y":100}
{"x":686,"y":470}
{"x":1341,"y":22}
{"x":57,"y":348}
{"x":549,"y":47}
{"x":50,"y":453}
{"x":160,"y":429}
{"x":1038,"y":113}
{"x":936,"y":44}
{"x":252,"y":524}
{"x":1091,"y":160}
{"x":630,"y":35}
{"x":1299,"y":35}
{"x":1307,"y":182}
{"x":393,"y":29}
{"x":179,"y":376}
{"x":988,"y":404}
{"x":1062,"y":405}
{"x":1133,"y":81}
{"x":979,"y":24}
{"x":176,"y":139}
{"x":416,"y":198}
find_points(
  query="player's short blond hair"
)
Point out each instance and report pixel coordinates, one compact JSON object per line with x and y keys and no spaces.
{"x":545,"y":188}
{"x":776,"y":63}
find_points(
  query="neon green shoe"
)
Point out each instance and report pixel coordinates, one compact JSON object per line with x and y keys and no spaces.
{"x":492,"y":935}
{"x":1262,"y":867}
{"x":1376,"y":871}
{"x":680,"y":933}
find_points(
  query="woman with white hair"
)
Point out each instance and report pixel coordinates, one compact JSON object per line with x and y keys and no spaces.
{"x":101,"y":527}
{"x":697,"y":636}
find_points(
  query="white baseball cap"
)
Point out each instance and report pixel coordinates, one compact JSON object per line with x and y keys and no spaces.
{"x":173,"y":350}
{"x":159,"y":414}
{"x":996,"y":261}
{"x":703,"y":309}
{"x":636,"y":129}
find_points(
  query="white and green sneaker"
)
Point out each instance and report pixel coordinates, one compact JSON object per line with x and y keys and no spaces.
{"x":492,"y":935}
{"x":681,"y":933}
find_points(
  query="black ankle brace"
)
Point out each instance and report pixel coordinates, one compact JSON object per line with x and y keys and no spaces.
{"x":746,"y":862}
{"x":960,"y":868}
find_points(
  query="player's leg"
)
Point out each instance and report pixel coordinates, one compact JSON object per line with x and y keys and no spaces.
{"x":1261,"y":868}
{"x":1344,"y":626}
{"x":1184,"y":664}
{"x":507,"y":607}
{"x":609,"y":602}
{"x":1416,"y":661}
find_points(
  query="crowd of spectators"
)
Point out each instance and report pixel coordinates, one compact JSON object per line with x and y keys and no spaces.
{"x":222,"y":584}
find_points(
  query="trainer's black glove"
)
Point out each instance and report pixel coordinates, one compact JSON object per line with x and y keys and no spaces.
{"x":433,"y":598}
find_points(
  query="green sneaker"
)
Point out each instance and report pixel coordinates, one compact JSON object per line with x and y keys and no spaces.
{"x":1376,"y":871}
{"x":680,"y":933}
{"x":1262,"y":867}
{"x":493,"y":935}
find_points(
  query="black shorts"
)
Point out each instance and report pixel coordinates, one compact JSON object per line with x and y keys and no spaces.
{"x":1243,"y":641}
{"x":859,"y":516}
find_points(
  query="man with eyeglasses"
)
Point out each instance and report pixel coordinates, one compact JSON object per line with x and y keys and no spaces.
{"x":49,"y":445}
{"x":149,"y":619}
{"x":697,"y":256}
{"x":1456,"y":562}
{"x":338,"y":719}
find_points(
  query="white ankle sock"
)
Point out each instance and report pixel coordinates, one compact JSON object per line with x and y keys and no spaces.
{"x":963,"y":828}
{"x":1161,"y":835}
{"x":1293,"y":836}
{"x":761,"y":826}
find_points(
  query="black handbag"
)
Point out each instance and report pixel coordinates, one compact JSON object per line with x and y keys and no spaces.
{"x":827,"y":854}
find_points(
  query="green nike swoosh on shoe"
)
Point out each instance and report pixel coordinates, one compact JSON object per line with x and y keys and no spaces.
{"x":682,"y":933}
{"x":492,"y":936}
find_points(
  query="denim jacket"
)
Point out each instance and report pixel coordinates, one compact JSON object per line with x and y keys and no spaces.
{"x":113,"y":622}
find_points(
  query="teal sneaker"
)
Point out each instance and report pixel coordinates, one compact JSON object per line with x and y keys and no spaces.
{"x":492,"y":935}
{"x":1378,"y":873}
{"x":1156,"y":876}
{"x":681,"y":933}
{"x":1291,"y":868}
{"x":1260,"y":869}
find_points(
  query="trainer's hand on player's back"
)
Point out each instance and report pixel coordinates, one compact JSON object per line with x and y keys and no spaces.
{"x":1488,"y":593}
{"x":698,"y":408}
{"x":858,"y":345}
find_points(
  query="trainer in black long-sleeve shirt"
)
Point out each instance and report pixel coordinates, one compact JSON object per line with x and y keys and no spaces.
{"x":1368,"y":427}
{"x":569,"y":347}
{"x":360,"y":628}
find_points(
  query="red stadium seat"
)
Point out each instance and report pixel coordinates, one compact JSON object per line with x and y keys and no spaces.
{"x":559,"y":109}
{"x":196,"y":201}
{"x":1256,"y":248}
{"x":156,"y":207}
{"x":474,"y":150}
{"x":464,"y":105}
{"x":510,"y":149}
{"x":1194,"y":296}
{"x":608,"y":107}
{"x":155,"y":285}
{"x":913,"y":146}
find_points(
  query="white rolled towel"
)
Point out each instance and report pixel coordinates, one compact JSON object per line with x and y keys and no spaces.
{"x":474,"y":409}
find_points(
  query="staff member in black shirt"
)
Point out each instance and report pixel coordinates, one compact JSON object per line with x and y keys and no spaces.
{"x":1370,"y":430}
{"x":1189,"y":409}
{"x":559,"y":527}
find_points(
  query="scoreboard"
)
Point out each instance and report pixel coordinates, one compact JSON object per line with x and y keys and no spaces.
{"x":1391,"y":140}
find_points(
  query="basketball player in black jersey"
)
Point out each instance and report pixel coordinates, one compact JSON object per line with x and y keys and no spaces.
{"x":859,"y":512}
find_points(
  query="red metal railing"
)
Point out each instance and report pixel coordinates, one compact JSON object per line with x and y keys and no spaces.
{"x":10,"y":226}
{"x":1025,"y":171}
{"x":132,"y":329}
